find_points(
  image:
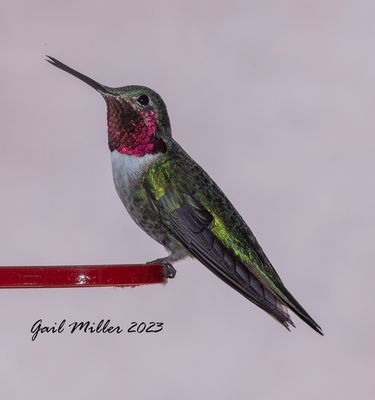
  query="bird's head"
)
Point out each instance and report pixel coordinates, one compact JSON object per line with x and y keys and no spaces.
{"x":137,"y":116}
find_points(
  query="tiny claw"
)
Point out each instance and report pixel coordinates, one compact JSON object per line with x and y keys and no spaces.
{"x":170,"y":271}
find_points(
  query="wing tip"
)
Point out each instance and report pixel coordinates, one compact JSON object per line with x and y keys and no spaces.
{"x":310,"y":322}
{"x":318,"y":329}
{"x":288,"y":323}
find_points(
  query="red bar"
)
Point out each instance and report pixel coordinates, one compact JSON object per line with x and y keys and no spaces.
{"x":81,"y":275}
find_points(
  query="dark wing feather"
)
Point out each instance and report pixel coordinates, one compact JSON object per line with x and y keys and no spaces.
{"x":198,"y":214}
{"x":190,"y":224}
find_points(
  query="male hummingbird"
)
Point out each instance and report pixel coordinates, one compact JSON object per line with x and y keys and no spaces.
{"x":175,"y":201}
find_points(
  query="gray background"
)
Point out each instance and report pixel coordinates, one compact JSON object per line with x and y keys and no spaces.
{"x":275,"y":99}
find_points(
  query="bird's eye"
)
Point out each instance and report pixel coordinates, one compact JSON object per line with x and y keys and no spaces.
{"x":143,"y":100}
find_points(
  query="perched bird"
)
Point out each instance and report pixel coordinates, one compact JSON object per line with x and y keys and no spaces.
{"x":175,"y":201}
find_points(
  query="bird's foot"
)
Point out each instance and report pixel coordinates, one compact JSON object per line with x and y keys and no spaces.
{"x":170,"y":271}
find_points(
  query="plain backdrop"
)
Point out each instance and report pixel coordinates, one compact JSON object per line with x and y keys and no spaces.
{"x":275,"y":99}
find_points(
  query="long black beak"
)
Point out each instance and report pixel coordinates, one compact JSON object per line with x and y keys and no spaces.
{"x":104,"y":90}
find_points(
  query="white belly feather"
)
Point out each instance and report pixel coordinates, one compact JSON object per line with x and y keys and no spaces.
{"x":126,"y":168}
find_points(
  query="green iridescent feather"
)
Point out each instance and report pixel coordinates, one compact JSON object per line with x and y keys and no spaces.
{"x":172,"y":172}
{"x":183,"y":194}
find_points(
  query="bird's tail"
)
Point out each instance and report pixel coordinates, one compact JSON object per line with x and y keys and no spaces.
{"x":275,"y":303}
{"x":254,"y":290}
{"x":288,"y":299}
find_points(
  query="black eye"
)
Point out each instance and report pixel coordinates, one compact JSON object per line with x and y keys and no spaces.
{"x":143,"y":100}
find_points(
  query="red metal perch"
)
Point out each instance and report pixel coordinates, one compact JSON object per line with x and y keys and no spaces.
{"x":81,"y":275}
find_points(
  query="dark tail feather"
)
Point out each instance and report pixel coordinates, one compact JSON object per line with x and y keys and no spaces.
{"x":293,"y":305}
{"x":246,"y":283}
{"x":250,"y":287}
{"x":254,"y":290}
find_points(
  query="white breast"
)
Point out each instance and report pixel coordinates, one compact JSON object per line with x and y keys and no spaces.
{"x":127,"y":169}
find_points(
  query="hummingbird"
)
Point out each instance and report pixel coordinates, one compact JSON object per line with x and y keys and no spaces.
{"x":179,"y":205}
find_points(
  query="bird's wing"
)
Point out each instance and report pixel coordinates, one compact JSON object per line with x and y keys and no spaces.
{"x":199,"y":215}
